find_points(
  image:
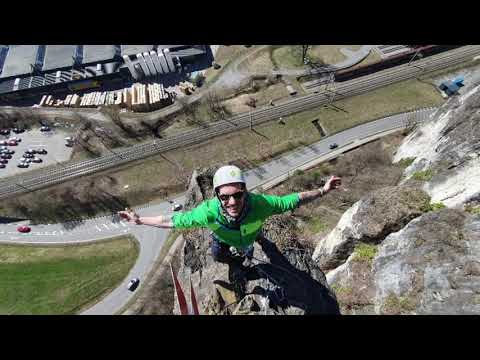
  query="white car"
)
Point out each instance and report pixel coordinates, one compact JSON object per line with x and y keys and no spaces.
{"x":177,"y":207}
{"x":133,"y":284}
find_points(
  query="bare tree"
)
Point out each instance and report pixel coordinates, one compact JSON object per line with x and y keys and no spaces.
{"x":217,"y":109}
{"x":304,"y":53}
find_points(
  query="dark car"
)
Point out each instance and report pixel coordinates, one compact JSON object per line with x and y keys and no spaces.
{"x":3,"y":166}
{"x":333,"y":146}
{"x":36,"y":160}
{"x":7,"y":151}
{"x":45,"y":128}
{"x":22,"y":165}
{"x":5,"y":156}
{"x":27,"y":156}
{"x":24,"y":229}
{"x":18,"y":130}
{"x":133,"y":284}
{"x":4,"y":131}
{"x":41,"y":151}
{"x":3,"y":161}
{"x":30,"y":151}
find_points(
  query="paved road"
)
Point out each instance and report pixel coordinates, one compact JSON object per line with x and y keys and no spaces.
{"x":151,"y":239}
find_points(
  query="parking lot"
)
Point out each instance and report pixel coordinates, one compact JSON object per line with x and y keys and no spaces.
{"x":53,"y":141}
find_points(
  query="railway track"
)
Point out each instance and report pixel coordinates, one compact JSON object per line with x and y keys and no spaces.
{"x":29,"y":182}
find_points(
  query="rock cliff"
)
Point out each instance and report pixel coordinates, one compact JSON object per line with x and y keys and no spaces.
{"x":414,"y":248}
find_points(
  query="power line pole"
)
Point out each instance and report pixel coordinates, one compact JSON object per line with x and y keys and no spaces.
{"x":23,"y":187}
{"x":331,"y":88}
{"x":413,"y":57}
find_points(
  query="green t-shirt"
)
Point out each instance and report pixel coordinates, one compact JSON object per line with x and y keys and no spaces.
{"x":261,"y":207}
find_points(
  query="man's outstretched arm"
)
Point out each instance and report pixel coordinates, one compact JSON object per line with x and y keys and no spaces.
{"x":307,"y":196}
{"x":161,"y":221}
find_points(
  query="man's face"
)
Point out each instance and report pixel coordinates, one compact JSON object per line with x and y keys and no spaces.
{"x":232,"y":204}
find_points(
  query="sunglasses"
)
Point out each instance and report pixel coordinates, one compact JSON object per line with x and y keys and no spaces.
{"x":237,"y":196}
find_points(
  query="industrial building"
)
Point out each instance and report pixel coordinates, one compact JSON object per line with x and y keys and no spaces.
{"x":30,"y":71}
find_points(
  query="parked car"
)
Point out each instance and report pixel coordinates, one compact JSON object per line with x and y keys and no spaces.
{"x":28,"y":161}
{"x":7,"y":151}
{"x":12,"y":143}
{"x":24,"y":229}
{"x":3,"y":142}
{"x":27,"y":156}
{"x":4,"y":131}
{"x":3,"y":161}
{"x":3,"y":166}
{"x":36,"y":160}
{"x":133,"y":284}
{"x":18,"y":130}
{"x":17,"y":139}
{"x":45,"y":128}
{"x":30,"y":151}
{"x":22,"y":165}
{"x":41,"y":151}
{"x":5,"y":156}
{"x":333,"y":146}
{"x":177,"y":207}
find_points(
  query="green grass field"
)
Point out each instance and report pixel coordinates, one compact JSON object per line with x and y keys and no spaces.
{"x":61,"y":279}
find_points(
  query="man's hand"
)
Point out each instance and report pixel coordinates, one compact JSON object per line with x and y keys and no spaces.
{"x":332,"y":183}
{"x":130,"y":216}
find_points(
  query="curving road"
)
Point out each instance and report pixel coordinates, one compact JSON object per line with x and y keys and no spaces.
{"x":151,"y":239}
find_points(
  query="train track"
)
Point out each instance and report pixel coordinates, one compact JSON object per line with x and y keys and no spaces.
{"x":43,"y":178}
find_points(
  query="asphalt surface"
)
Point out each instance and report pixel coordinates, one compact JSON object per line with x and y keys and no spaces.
{"x":53,"y":141}
{"x":152,"y":239}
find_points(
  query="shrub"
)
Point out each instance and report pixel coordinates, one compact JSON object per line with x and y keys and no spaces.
{"x":405,"y":162}
{"x":424,"y":175}
{"x":433,"y":207}
{"x":474,"y":210}
{"x":365,"y":252}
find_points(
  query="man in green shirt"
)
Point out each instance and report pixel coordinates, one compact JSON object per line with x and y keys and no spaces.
{"x":234,"y":216}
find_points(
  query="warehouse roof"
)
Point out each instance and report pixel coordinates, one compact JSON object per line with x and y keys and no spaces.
{"x":19,"y":59}
{"x":59,"y":56}
{"x":98,"y":53}
{"x":135,"y":49}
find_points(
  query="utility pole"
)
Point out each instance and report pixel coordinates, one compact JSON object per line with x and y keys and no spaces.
{"x":23,"y":187}
{"x":413,"y":57}
{"x":331,"y":83}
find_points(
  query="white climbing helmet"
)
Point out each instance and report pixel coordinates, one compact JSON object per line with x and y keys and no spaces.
{"x":227,"y":175}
